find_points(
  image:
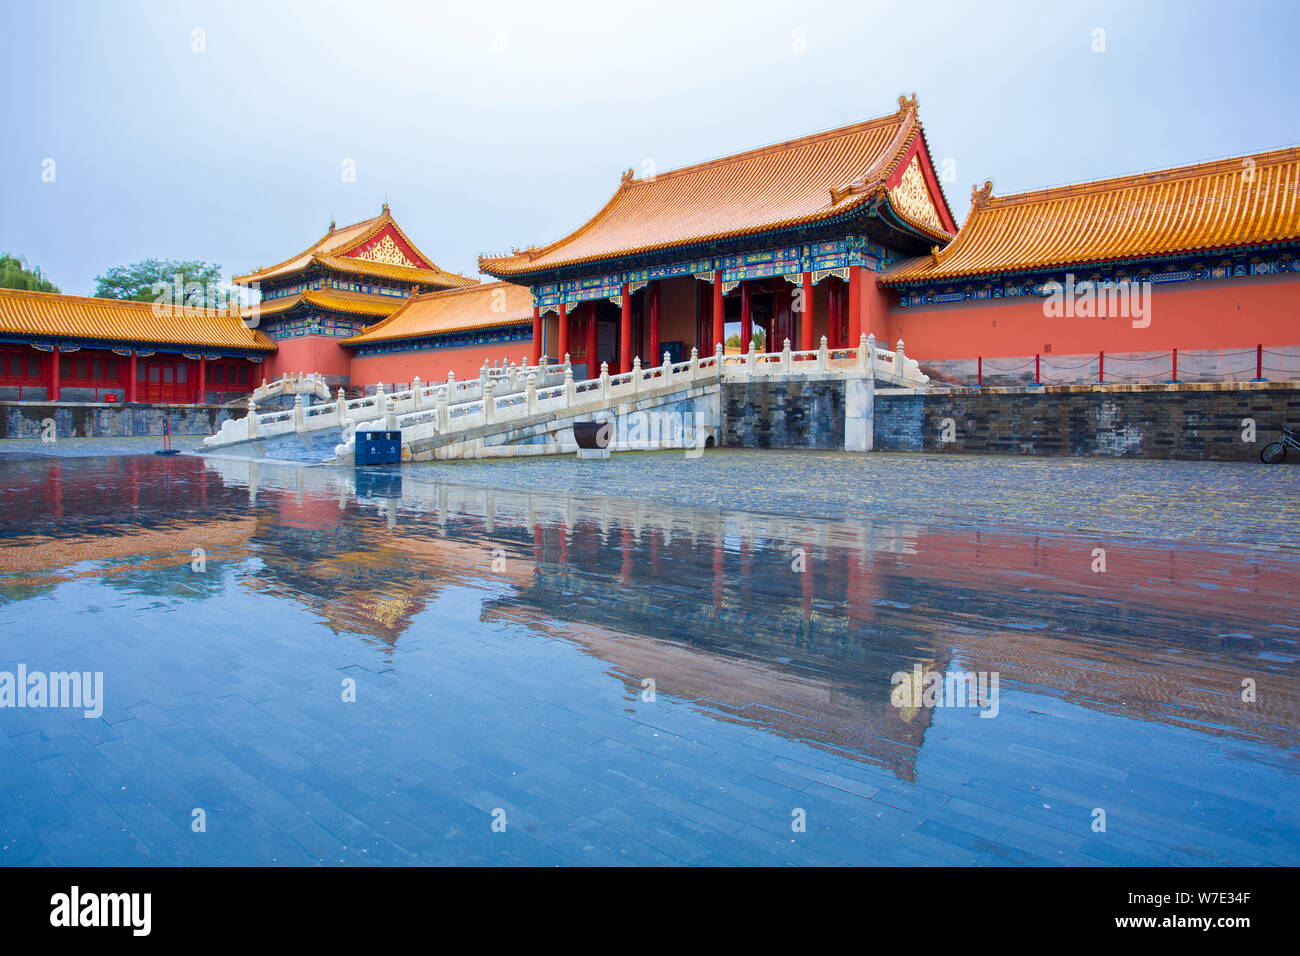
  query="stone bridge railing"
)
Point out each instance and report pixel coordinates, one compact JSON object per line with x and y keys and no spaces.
{"x":448,"y":413}
{"x":343,"y":412}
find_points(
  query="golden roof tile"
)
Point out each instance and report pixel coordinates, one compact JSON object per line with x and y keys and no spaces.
{"x":799,"y":181}
{"x":1243,"y":201}
{"x":332,"y":248}
{"x":453,"y":310}
{"x":53,"y":315}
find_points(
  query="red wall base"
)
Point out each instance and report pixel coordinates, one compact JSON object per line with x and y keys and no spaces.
{"x":1211,"y":314}
{"x":432,"y":365}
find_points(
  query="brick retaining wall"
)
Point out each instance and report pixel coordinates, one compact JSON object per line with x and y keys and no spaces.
{"x":1197,"y":422}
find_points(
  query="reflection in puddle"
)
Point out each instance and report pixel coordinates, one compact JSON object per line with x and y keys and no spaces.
{"x":775,"y":627}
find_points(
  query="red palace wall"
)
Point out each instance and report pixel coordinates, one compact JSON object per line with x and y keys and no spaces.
{"x":1211,"y":314}
{"x":309,"y":353}
{"x":432,"y":365}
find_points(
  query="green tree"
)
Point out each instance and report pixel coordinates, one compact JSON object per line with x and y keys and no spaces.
{"x":137,"y":281}
{"x":14,"y":274}
{"x":733,"y":340}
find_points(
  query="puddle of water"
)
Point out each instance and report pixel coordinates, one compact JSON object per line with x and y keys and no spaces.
{"x":625,"y":679}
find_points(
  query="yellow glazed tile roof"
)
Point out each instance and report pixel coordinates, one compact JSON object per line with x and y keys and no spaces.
{"x":51,"y":314}
{"x":453,"y":310}
{"x":802,"y":180}
{"x":1247,"y":200}
{"x":385,"y":270}
{"x":331,"y":248}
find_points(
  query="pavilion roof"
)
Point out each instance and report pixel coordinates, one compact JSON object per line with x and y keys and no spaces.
{"x":53,"y":315}
{"x":332,"y":300}
{"x":801,"y":181}
{"x":338,"y":250}
{"x":452,"y":310}
{"x":1228,"y":203}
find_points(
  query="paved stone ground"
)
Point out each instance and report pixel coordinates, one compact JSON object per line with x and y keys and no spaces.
{"x":479,"y":691}
{"x":19,"y":449}
{"x":1243,"y":503}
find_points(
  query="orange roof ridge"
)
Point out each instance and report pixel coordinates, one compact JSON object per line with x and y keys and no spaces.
{"x":808,"y":139}
{"x":449,"y":310}
{"x":56,"y":315}
{"x":1175,"y":211}
{"x":342,"y":239}
{"x":1162,"y":175}
{"x":793,"y":182}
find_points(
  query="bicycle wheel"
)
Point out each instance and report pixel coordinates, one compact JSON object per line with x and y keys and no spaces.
{"x":1273,"y":453}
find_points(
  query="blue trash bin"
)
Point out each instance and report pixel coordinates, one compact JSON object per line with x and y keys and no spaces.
{"x":378,"y":448}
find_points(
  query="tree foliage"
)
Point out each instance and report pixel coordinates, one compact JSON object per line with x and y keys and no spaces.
{"x":733,"y":340}
{"x":14,"y":274}
{"x":138,"y":281}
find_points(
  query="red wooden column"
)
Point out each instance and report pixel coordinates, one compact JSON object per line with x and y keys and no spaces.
{"x":537,"y":336}
{"x":855,"y":306}
{"x":130,"y":378}
{"x":655,"y":357}
{"x":202,"y":383}
{"x":54,"y":375}
{"x":806,"y":319}
{"x":746,"y":319}
{"x":593,"y":364}
{"x":719,"y":314}
{"x":625,"y":331}
{"x":564,"y":333}
{"x":833,"y":315}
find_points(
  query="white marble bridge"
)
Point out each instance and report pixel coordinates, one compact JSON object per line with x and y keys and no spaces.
{"x":531,"y":410}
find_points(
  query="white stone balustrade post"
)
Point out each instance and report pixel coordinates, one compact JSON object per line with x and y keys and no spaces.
{"x":867,"y":354}
{"x":822,"y":356}
{"x":636,"y":375}
{"x":341,"y":403}
{"x":444,"y":414}
{"x":751,"y":362}
{"x":299,"y":414}
{"x":668,"y":368}
{"x":719,"y":357}
{"x":252,"y":418}
{"x":531,"y":391}
{"x":900,"y":359}
{"x":417,"y":393}
{"x":604,"y":380}
{"x":568,"y":365}
{"x":489,"y":403}
{"x":785,"y":357}
{"x":695,"y":363}
{"x":569,"y":393}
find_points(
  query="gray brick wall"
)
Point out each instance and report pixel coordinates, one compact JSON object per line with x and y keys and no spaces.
{"x":1197,"y":422}
{"x":783,"y":414}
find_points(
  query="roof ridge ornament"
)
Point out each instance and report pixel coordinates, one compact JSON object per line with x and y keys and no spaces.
{"x":627,"y":178}
{"x":905,"y":103}
{"x":979,"y":197}
{"x":384,"y":212}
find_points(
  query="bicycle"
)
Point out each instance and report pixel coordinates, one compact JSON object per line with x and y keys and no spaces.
{"x":1275,"y":452}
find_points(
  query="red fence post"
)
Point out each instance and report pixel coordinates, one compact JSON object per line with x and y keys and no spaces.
{"x":979,"y":372}
{"x":1259,"y":364}
{"x":1038,"y":377}
{"x":1101,"y":368}
{"x":1173,"y":379}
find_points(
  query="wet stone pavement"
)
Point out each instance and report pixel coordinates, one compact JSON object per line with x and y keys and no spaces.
{"x":651,"y":660}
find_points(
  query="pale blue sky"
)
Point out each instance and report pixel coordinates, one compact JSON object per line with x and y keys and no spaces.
{"x":489,"y":125}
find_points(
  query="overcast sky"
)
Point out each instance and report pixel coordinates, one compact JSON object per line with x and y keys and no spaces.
{"x":490,"y":125}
